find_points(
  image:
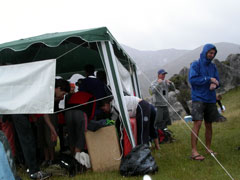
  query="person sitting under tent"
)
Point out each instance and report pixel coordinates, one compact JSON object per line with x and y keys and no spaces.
{"x":101,"y":75}
{"x":83,"y":106}
{"x":46,"y":141}
{"x":26,"y":137}
{"x":92,"y":85}
{"x":140,"y":109}
{"x":62,"y":129}
{"x":67,"y":97}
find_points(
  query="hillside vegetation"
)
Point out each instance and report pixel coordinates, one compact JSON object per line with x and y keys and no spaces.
{"x":174,"y":159}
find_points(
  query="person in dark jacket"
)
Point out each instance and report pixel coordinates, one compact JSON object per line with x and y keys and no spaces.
{"x":26,"y":138}
{"x":91,"y":84}
{"x":204,"y":79}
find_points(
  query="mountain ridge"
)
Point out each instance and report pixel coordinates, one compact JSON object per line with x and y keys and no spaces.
{"x":172,"y":60}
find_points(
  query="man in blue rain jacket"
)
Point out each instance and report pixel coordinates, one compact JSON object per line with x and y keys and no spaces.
{"x":204,"y":79}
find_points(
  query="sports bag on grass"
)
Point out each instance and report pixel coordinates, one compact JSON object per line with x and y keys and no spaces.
{"x":138,"y":162}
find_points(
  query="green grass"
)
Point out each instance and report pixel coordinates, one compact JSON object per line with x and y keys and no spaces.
{"x":173,"y":159}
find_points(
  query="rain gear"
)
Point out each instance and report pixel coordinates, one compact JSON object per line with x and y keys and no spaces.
{"x":200,"y":74}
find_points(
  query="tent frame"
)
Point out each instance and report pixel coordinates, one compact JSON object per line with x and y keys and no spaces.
{"x":107,"y":48}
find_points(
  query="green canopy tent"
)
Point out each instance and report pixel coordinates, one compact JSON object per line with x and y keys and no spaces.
{"x":73,"y":50}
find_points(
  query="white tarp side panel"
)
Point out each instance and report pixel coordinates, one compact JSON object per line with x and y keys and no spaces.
{"x":27,"y":88}
{"x":125,"y":78}
{"x":135,"y":91}
{"x":136,"y":83}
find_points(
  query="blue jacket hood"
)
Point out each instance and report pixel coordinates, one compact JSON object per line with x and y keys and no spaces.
{"x":200,"y":75}
{"x":203,"y":55}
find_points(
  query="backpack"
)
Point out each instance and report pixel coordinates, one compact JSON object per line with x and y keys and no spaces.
{"x":165,"y":136}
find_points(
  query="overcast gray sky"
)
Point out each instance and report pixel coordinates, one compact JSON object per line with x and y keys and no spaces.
{"x":144,"y":25}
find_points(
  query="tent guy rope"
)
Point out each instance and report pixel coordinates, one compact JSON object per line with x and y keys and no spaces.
{"x":70,"y":50}
{"x":83,"y":104}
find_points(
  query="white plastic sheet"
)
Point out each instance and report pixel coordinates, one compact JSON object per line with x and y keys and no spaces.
{"x":27,"y":88}
{"x":125,"y":78}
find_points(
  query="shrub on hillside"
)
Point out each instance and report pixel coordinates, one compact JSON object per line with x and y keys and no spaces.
{"x":184,"y":95}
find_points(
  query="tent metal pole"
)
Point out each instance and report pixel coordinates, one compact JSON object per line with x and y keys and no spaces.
{"x":116,"y":87}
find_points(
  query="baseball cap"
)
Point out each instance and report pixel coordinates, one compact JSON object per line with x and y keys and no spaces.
{"x":162,"y":71}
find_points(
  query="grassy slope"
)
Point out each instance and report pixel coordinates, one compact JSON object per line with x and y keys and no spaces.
{"x":173,"y":159}
{"x":225,"y":141}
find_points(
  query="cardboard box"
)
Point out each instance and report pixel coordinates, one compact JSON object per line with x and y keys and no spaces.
{"x":103,"y":148}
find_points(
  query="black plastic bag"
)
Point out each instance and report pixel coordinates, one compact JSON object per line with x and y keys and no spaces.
{"x":138,"y":162}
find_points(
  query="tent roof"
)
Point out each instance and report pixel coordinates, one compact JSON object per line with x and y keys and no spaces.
{"x":54,"y":45}
{"x":55,"y":39}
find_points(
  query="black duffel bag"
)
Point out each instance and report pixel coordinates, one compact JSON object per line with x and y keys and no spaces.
{"x":138,"y":162}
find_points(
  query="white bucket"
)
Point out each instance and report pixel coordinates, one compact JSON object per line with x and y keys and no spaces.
{"x":188,"y":118}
